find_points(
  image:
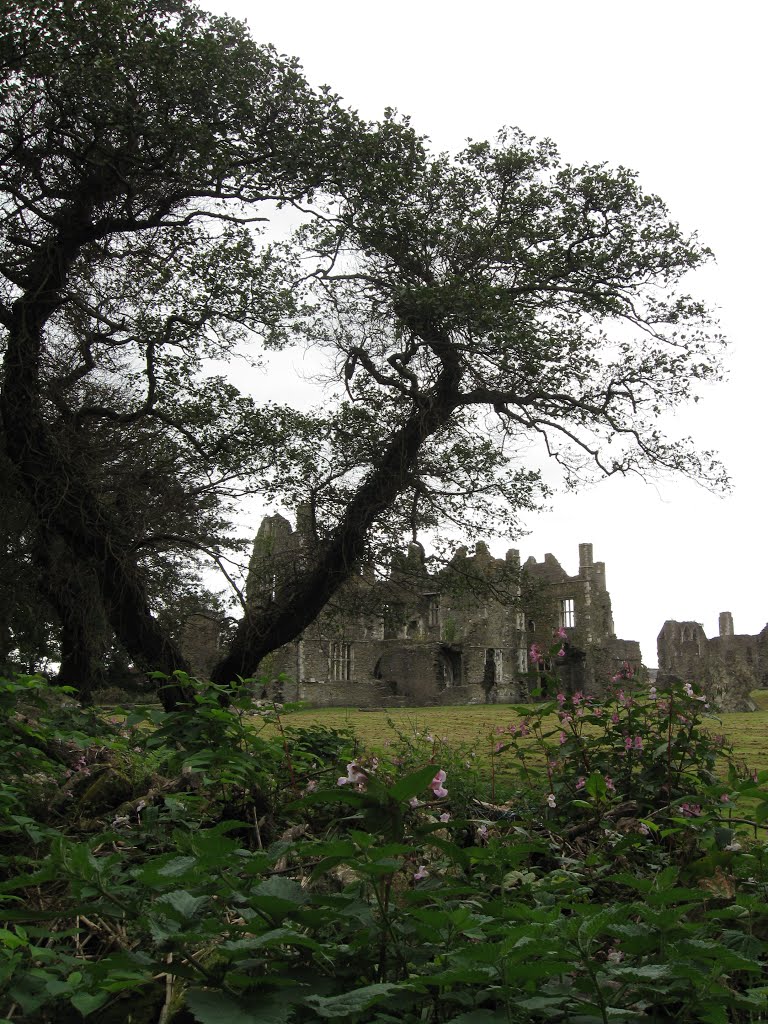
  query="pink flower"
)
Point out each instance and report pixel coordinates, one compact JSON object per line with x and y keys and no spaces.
{"x":638,"y":742}
{"x":690,"y":810}
{"x":498,"y":747}
{"x":561,"y":653}
{"x":609,"y":784}
{"x":615,"y":718}
{"x":413,"y":802}
{"x":578,"y":697}
{"x":652,"y":693}
{"x":688,"y":690}
{"x":581,"y":782}
{"x":561,"y":699}
{"x":551,"y":800}
{"x":311,"y":786}
{"x":436,"y":785}
{"x":445,"y":816}
{"x":643,"y":829}
{"x":563,"y":738}
{"x":354,"y":775}
{"x":725,"y":798}
{"x":482,"y":832}
{"x":627,"y":742}
{"x":421,"y":873}
{"x":535,"y":653}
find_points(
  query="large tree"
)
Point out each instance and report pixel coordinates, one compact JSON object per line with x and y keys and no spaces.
{"x":464,"y":306}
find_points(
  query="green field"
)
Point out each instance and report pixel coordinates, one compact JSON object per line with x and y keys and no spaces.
{"x":472,"y":726}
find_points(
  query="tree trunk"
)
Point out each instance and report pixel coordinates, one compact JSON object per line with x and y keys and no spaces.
{"x":297,"y":605}
{"x":60,"y":498}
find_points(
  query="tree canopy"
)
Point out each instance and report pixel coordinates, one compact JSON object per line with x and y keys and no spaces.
{"x":465,"y":306}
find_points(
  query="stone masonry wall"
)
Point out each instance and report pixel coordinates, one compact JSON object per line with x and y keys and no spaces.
{"x":457,"y":636}
{"x":728,"y":667}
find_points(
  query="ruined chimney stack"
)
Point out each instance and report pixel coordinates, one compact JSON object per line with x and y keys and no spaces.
{"x":585,"y":558}
{"x":726,"y":624}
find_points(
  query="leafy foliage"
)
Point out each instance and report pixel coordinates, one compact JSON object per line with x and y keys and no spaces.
{"x":257,"y":880}
{"x":462,"y":308}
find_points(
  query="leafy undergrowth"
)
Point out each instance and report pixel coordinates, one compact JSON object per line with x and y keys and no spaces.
{"x":222,"y":866}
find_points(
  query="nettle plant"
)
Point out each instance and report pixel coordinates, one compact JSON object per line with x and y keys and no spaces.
{"x":373,"y":888}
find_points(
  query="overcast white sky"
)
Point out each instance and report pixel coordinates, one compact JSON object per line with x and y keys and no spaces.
{"x":675,"y":89}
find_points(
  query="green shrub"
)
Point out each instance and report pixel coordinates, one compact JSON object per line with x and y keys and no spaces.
{"x":284,"y":875}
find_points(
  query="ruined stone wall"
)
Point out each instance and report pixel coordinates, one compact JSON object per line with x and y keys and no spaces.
{"x":457,"y":636}
{"x":582,"y":605}
{"x":728,"y":667}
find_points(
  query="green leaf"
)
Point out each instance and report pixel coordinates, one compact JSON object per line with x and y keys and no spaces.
{"x":348,"y":1002}
{"x":414,"y":784}
{"x":87,"y":1002}
{"x":286,"y":889}
{"x":183,"y":902}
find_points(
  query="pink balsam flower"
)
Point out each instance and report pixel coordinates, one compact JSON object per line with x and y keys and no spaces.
{"x":436,"y":785}
{"x":421,"y":873}
{"x":354,"y":775}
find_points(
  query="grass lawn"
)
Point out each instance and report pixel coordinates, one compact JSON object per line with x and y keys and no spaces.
{"x":472,"y":726}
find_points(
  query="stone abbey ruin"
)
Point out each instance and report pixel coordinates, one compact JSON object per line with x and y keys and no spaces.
{"x":462,"y":634}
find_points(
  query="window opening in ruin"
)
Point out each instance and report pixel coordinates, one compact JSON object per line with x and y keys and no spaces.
{"x":433,"y":609}
{"x":522,"y":660}
{"x":341,"y":661}
{"x":531,"y":626}
{"x":449,"y":668}
{"x":494,"y":664}
{"x":567,"y":613}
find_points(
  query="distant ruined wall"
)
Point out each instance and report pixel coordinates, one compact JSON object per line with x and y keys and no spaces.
{"x":728,"y":667}
{"x":460,"y":635}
